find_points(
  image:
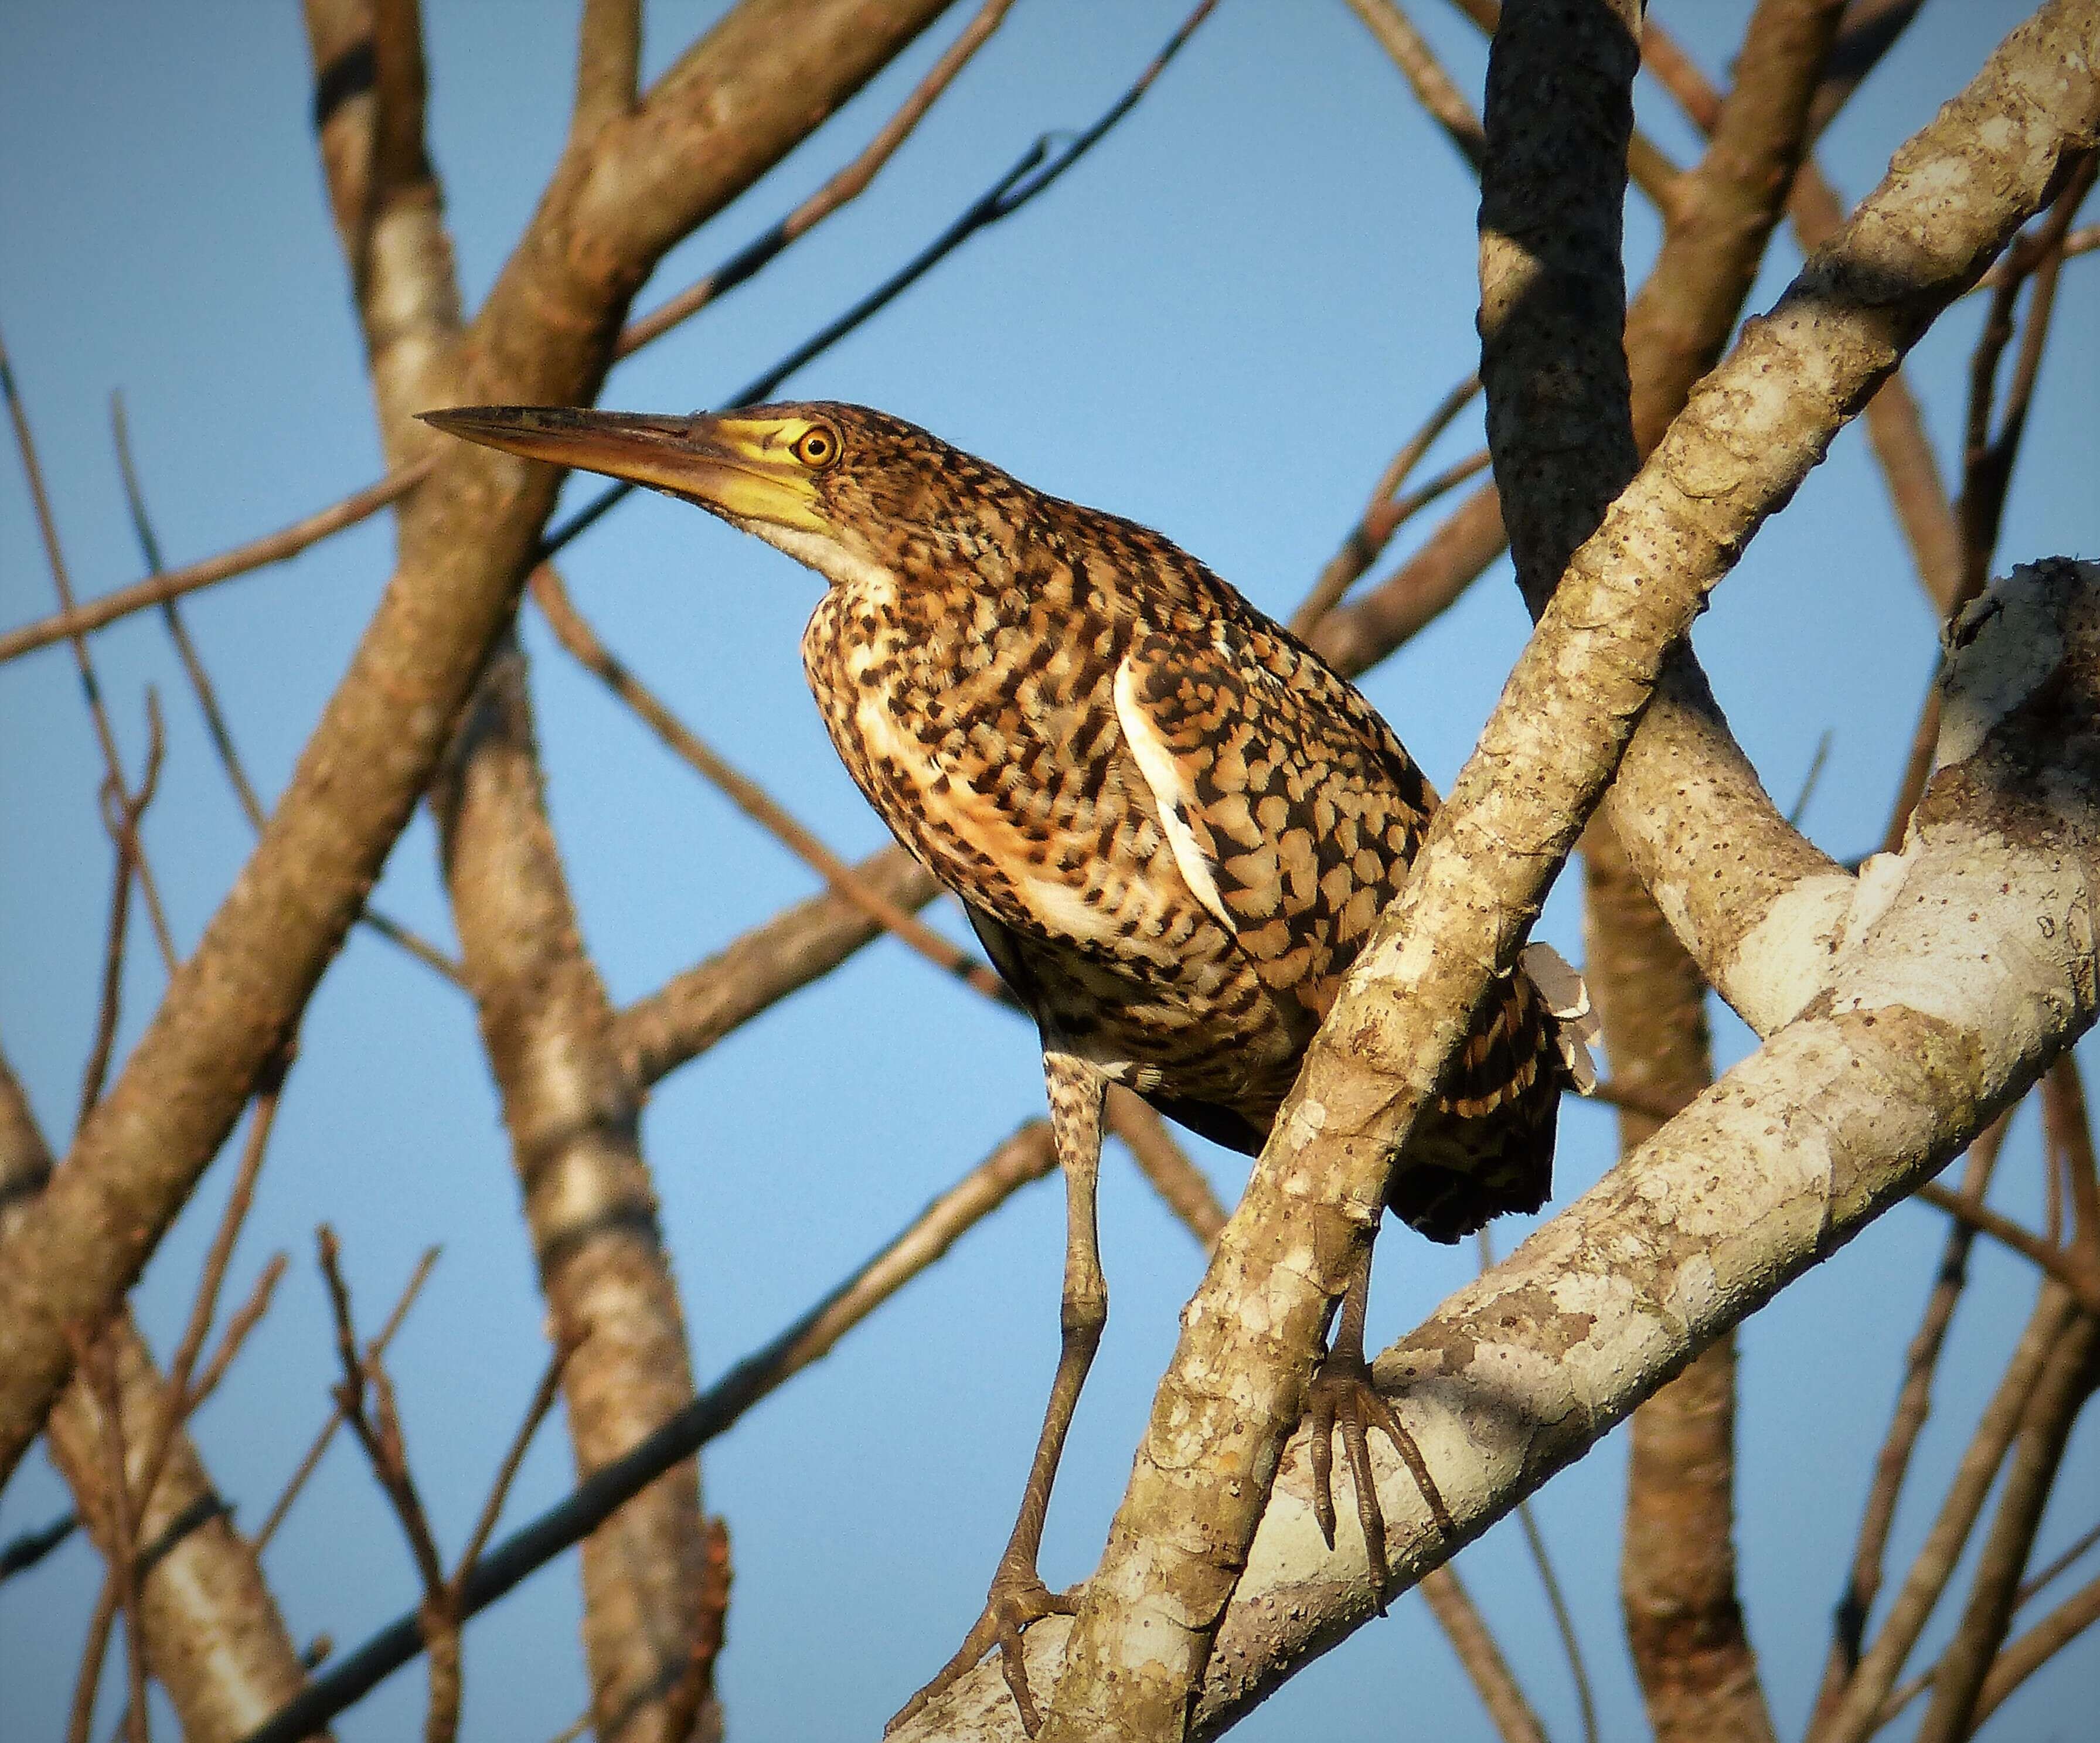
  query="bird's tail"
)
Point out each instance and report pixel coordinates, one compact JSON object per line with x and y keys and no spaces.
{"x":1487,"y":1147}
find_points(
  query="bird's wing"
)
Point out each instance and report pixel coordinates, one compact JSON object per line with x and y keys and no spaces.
{"x":1291,"y":810}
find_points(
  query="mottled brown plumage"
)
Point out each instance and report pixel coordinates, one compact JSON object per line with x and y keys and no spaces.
{"x":1172,"y":827}
{"x":993,"y":667}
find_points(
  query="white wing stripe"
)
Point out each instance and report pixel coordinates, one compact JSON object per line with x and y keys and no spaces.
{"x":1170,"y":792}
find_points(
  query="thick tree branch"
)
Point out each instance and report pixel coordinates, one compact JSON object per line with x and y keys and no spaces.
{"x":572,"y":1112}
{"x":573,"y":1115}
{"x":1751,"y":433}
{"x":1931,"y":1024}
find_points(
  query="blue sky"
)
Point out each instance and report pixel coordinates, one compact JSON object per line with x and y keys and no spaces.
{"x":1222,"y":324}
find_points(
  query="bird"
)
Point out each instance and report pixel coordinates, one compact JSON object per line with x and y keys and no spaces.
{"x":1169,"y":823}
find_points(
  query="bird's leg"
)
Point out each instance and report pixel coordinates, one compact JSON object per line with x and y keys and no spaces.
{"x":1018,"y":1596}
{"x":1341,"y":1395}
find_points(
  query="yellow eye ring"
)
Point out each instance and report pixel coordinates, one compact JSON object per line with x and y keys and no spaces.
{"x":816,"y":447}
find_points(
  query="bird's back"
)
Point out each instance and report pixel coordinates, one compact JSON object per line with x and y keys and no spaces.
{"x":1172,"y":825}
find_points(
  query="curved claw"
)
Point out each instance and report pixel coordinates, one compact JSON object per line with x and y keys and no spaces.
{"x":1013,"y":1604}
{"x":1342,"y":1395}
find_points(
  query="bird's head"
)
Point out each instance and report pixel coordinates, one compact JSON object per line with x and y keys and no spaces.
{"x":841,"y":487}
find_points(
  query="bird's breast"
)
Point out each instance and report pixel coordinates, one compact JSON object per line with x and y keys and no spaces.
{"x":992,"y":749}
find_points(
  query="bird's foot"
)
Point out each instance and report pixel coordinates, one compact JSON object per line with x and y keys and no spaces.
{"x":1342,"y":1395}
{"x":1018,"y":1597}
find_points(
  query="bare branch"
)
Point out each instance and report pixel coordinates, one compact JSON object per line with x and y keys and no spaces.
{"x":1433,"y":88}
{"x":98,"y":1368}
{"x":2067,"y":1381}
{"x":1025,"y":1157}
{"x":683,"y":1019}
{"x":730,"y":108}
{"x":573,"y":1115}
{"x":2080,"y":1283}
{"x":1855,"y":1716}
{"x":1383,"y":515}
{"x":374,"y":1349}
{"x":207,"y":696}
{"x":1355,"y":635}
{"x":1906,"y":1423}
{"x":1163,"y":1161}
{"x":2036,"y":1647}
{"x":176,"y":584}
{"x":1497,"y":1684}
{"x":844,"y":185}
{"x":212,"y":1633}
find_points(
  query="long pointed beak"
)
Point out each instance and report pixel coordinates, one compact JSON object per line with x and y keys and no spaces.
{"x":739,"y":467}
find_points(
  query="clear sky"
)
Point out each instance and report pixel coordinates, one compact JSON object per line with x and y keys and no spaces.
{"x":1222,"y":324}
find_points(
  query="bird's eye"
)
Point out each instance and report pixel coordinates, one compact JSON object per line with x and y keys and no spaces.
{"x":816,"y":447}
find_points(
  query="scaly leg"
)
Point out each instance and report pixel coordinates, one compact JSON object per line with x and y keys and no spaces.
{"x":1342,"y":1394}
{"x":1018,"y":1596}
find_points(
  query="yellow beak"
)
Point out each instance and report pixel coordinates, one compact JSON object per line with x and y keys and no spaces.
{"x":742,"y":468}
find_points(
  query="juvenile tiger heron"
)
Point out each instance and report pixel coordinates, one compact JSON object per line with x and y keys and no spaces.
{"x":1171,"y":825}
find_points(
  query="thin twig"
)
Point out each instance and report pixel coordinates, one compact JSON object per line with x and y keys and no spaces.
{"x":2083,"y":1285}
{"x":91,"y":687}
{"x":207,"y":695}
{"x":1906,"y":1423}
{"x":1027,"y":1156}
{"x":2065,"y":1382}
{"x":243,"y":559}
{"x":2082,"y":240}
{"x":243,"y":1320}
{"x":2064,"y":1115}
{"x":1987,"y":458}
{"x":379,"y":1431}
{"x":576,"y":636}
{"x":98,"y":1367}
{"x":1563,"y":1618}
{"x":1360,"y":547}
{"x":1849,"y":1714}
{"x":499,"y":1491}
{"x":1809,"y":780}
{"x":373,"y":1350}
{"x":2020,"y":1660}
{"x":844,"y":185}
{"x":24,"y":1552}
{"x":2050,"y":1571}
{"x":1481,"y":1656}
{"x":1433,"y":87}
{"x":1161,"y":1159}
{"x":87,"y":1681}
{"x":120,"y":814}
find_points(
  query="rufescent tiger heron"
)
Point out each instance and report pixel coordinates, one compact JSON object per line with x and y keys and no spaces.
{"x":1171,"y":825}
